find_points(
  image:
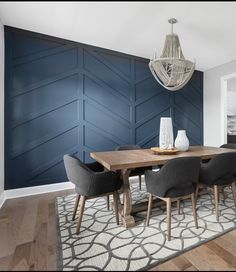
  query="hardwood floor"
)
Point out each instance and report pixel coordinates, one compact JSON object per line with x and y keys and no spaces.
{"x":28,"y":240}
{"x":28,"y":233}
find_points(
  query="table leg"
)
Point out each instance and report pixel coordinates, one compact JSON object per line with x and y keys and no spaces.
{"x":127,"y":218}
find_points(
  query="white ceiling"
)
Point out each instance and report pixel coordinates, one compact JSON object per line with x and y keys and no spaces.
{"x":207,"y":30}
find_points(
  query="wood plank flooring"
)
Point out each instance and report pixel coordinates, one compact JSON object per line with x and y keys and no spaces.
{"x":28,"y":240}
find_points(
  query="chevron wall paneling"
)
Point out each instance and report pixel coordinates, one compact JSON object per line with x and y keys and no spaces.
{"x":66,"y":97}
{"x":187,"y":107}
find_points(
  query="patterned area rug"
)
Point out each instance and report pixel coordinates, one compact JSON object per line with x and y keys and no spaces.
{"x":102,"y":245}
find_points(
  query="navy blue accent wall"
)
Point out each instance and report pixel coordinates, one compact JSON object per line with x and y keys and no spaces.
{"x":66,"y":97}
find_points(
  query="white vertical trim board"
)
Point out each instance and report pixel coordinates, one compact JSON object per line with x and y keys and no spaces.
{"x":36,"y":190}
{"x":223,"y":98}
{"x":2,"y":199}
{"x":2,"y":61}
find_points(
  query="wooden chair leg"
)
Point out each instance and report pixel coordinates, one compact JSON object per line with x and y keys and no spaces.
{"x":149,"y":209}
{"x":140,"y":182}
{"x":178,"y":206}
{"x":108,"y":203}
{"x":76,"y":207}
{"x":194,"y":209}
{"x":223,"y":194}
{"x":220,"y":194}
{"x":81,"y":212}
{"x":196,"y":192}
{"x":233,"y":187}
{"x":116,"y":199}
{"x":168,"y":209}
{"x":216,"y":196}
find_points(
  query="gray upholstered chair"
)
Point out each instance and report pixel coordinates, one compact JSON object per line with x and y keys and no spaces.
{"x":218,"y":173}
{"x":221,"y":189}
{"x":232,"y":146}
{"x":91,"y":182}
{"x":176,"y":180}
{"x":137,"y":171}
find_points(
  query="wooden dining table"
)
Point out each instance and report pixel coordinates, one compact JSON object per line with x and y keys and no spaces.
{"x":126,"y":160}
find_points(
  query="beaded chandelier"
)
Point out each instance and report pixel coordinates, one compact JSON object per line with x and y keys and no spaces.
{"x":172,"y":70}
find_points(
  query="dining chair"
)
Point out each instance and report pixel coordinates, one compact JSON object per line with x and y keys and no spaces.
{"x":231,"y":146}
{"x":137,"y":171}
{"x":175,"y":181}
{"x":219,"y":173}
{"x":90,"y":182}
{"x":221,"y":190}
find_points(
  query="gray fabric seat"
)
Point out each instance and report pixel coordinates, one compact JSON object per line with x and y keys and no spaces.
{"x":219,"y":172}
{"x":176,"y":180}
{"x":91,"y":181}
{"x":177,"y":177}
{"x":218,"y":169}
{"x":231,"y":146}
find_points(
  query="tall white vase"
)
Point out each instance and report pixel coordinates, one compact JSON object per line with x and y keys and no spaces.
{"x":166,"y":138}
{"x":181,"y":141}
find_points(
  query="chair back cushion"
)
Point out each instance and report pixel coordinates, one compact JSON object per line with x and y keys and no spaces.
{"x":231,"y":146}
{"x":178,"y":177}
{"x":78,"y":173}
{"x":89,"y":182}
{"x":219,"y":169}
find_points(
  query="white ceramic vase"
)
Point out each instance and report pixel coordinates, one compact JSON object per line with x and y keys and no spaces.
{"x":181,"y":141}
{"x":166,"y":138}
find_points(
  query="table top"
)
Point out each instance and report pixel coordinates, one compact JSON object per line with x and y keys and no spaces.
{"x":128,"y":159}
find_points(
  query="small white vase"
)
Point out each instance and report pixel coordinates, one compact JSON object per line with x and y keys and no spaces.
{"x":181,"y":141}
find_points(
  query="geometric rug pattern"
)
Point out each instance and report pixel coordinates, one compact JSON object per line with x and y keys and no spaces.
{"x":102,"y":245}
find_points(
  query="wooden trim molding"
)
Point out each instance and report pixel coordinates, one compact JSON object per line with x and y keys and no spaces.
{"x":2,"y":199}
{"x":35,"y":190}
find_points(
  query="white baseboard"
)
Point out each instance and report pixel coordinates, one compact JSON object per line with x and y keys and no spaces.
{"x":2,"y":199}
{"x":35,"y":190}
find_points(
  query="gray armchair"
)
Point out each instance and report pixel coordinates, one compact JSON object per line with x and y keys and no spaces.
{"x":176,"y":180}
{"x":218,"y":173}
{"x":90,"y":182}
{"x":232,"y":146}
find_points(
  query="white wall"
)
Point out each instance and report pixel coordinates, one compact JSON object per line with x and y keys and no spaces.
{"x":1,"y":111}
{"x":231,"y":85}
{"x":212,"y":102}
